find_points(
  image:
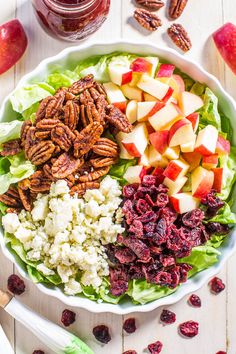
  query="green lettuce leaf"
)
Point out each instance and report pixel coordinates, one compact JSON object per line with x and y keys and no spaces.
{"x":10,"y":131}
{"x":30,"y":112}
{"x":228,"y":162}
{"x":198,"y":89}
{"x":216,"y":241}
{"x":118,"y":170}
{"x":209,"y":113}
{"x":3,"y":208}
{"x":105,"y":295}
{"x":14,"y":169}
{"x":224,"y":216}
{"x":64,"y":79}
{"x":25,"y":97}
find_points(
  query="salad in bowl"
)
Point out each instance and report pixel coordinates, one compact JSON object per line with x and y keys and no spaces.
{"x":116,"y":178}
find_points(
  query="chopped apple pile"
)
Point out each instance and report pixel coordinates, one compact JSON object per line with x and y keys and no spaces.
{"x":166,"y":137}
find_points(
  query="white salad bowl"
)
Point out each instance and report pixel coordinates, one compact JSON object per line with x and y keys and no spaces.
{"x":68,"y":59}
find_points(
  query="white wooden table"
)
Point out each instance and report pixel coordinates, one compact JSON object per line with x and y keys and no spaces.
{"x":217,"y":317}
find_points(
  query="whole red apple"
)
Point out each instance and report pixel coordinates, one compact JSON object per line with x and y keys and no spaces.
{"x":225,"y":40}
{"x":13,"y":43}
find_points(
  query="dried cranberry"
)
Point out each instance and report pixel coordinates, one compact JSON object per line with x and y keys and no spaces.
{"x":15,"y":284}
{"x":150,"y":227}
{"x":213,"y":203}
{"x":195,"y":300}
{"x":137,"y":228}
{"x":101,"y":333}
{"x":135,"y":272}
{"x":162,"y":189}
{"x":193,"y":218}
{"x":155,"y":348}
{"x":217,"y":228}
{"x":119,"y":287}
{"x":138,"y":247}
{"x":168,"y":317}
{"x":162,"y":200}
{"x":68,"y":317}
{"x":125,"y":255}
{"x":130,"y":352}
{"x":129,"y":325}
{"x":216,"y":285}
{"x":38,"y":352}
{"x":189,"y":329}
{"x":129,"y":190}
{"x":149,"y":216}
{"x":149,"y":180}
{"x":167,"y":261}
{"x":142,"y":206}
{"x":221,"y":352}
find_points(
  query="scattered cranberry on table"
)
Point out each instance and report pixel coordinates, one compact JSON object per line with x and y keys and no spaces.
{"x":195,"y":300}
{"x":155,"y":348}
{"x":129,"y":325}
{"x":68,"y":317}
{"x":220,"y":352}
{"x":168,"y":317}
{"x":101,"y":333}
{"x":216,"y":285}
{"x":130,"y":352}
{"x":189,"y":329}
{"x":15,"y":284}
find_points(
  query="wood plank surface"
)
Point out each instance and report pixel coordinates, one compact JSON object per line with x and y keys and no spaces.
{"x":217,"y":317}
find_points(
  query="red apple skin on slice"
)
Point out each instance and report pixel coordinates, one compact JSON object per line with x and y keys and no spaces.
{"x":218,"y":179}
{"x":175,"y":169}
{"x":166,"y":70}
{"x":181,"y":132}
{"x":210,"y":162}
{"x":225,"y":41}
{"x":202,"y":182}
{"x":121,"y":106}
{"x":222,"y":146}
{"x":132,"y":150}
{"x":194,"y":119}
{"x":141,"y":65}
{"x":13,"y":43}
{"x":193,"y":159}
{"x":126,"y":78}
{"x":168,"y":94}
{"x":180,"y":82}
{"x":159,"y":140}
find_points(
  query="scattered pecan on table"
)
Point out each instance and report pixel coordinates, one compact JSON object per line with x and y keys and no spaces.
{"x":176,"y":8}
{"x":180,"y":37}
{"x":147,"y":19}
{"x":66,"y":142}
{"x":152,"y":5}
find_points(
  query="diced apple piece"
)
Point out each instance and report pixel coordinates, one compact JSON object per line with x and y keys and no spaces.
{"x":176,"y":169}
{"x":149,"y":98}
{"x":177,"y":84}
{"x":156,"y":159}
{"x":159,"y":140}
{"x":193,"y":159}
{"x":179,"y":81}
{"x":165,"y":70}
{"x":188,"y":147}
{"x":184,"y":202}
{"x":202,"y":182}
{"x":154,"y":61}
{"x":189,"y":102}
{"x":146,"y":65}
{"x":218,"y":179}
{"x":172,"y":153}
{"x":194,"y":119}
{"x":164,"y":116}
{"x":207,"y":140}
{"x":135,"y":174}
{"x":144,"y":159}
{"x":158,"y":172}
{"x":155,"y":88}
{"x":175,"y":186}
{"x":181,"y":132}
{"x":131,"y":111}
{"x":123,"y":152}
{"x":136,"y":141}
{"x":148,"y":109}
{"x":119,"y":74}
{"x":115,"y":96}
{"x":132,"y":93}
{"x":222,"y":146}
{"x":210,"y":161}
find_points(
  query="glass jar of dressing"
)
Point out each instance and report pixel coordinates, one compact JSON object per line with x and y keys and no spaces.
{"x":71,"y":20}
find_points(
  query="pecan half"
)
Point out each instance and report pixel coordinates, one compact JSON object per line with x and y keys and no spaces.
{"x":147,"y":19}
{"x":63,"y":136}
{"x":11,"y":198}
{"x":54,"y":106}
{"x":118,"y":119}
{"x":106,"y":147}
{"x":85,"y":97}
{"x":89,"y":114}
{"x":152,"y":5}
{"x":30,"y":140}
{"x":24,"y":130}
{"x":180,"y":37}
{"x":24,"y":194}
{"x":95,"y":174}
{"x":47,"y":169}
{"x":81,"y":188}
{"x":41,"y":111}
{"x":11,"y":148}
{"x":71,"y":110}
{"x":39,"y":182}
{"x":176,"y":8}
{"x":82,"y":84}
{"x":41,"y":152}
{"x":65,"y":165}
{"x":13,"y":210}
{"x":87,"y":138}
{"x":103,"y":161}
{"x":44,"y":127}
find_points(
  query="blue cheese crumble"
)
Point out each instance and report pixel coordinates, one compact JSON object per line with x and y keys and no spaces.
{"x":66,"y":235}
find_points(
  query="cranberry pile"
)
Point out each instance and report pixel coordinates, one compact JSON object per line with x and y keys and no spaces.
{"x":156,"y":236}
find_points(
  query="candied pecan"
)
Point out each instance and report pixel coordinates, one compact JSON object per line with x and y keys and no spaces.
{"x":13,"y":210}
{"x":30,"y":140}
{"x":42,"y":134}
{"x":71,"y":110}
{"x":89,"y":114}
{"x":101,"y":105}
{"x":100,"y":88}
{"x":87,"y":138}
{"x":147,"y":19}
{"x":95,"y":174}
{"x":24,"y":194}
{"x":24,"y":129}
{"x":47,"y":169}
{"x":70,"y":180}
{"x":106,"y":147}
{"x":41,"y":152}
{"x":41,"y":111}
{"x":39,"y":182}
{"x":94,"y":93}
{"x":63,"y":136}
{"x":44,"y":128}
{"x":103,"y":161}
{"x":118,"y":119}
{"x":81,"y":188}
{"x":152,"y":5}
{"x":11,"y":148}
{"x":180,"y":37}
{"x":82,"y":84}
{"x":11,"y":198}
{"x":176,"y":8}
{"x":65,"y":165}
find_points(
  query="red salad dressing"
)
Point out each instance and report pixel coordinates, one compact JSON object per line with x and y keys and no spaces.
{"x":71,"y":19}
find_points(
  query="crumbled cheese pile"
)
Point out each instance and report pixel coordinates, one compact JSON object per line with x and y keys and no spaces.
{"x":65,"y":234}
